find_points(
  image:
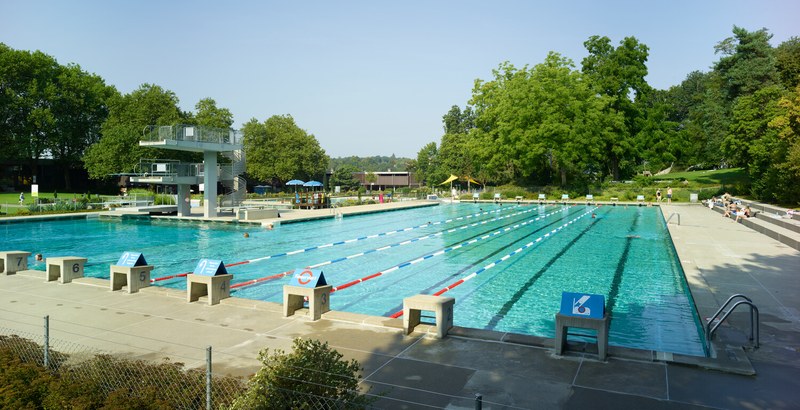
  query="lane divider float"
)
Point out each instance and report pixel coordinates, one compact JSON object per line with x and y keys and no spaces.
{"x":437,"y":253}
{"x":361,"y":238}
{"x":342,"y":259}
{"x":517,"y":251}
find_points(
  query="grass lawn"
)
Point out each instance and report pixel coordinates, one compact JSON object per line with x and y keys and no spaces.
{"x":730,"y":176}
{"x":9,"y":201}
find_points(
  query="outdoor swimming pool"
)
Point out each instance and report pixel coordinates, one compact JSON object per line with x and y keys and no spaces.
{"x":505,"y":265}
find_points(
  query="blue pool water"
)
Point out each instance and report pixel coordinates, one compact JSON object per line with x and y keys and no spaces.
{"x":507,"y":265}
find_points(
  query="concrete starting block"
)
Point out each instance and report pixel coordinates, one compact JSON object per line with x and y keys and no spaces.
{"x":318,"y":300}
{"x":441,"y":306}
{"x":65,"y":268}
{"x":12,"y":262}
{"x":216,"y":287}
{"x":134,"y":277}
{"x":209,"y":278}
{"x":564,"y":322}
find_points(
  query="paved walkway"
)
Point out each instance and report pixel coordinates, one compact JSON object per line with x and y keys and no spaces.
{"x":719,"y":257}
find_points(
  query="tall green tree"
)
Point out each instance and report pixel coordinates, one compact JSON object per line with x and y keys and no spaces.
{"x":455,"y":156}
{"x":343,"y":177}
{"x":118,"y":149}
{"x":209,"y":115}
{"x":279,"y":150}
{"x":48,"y":110}
{"x":787,"y":62}
{"x":540,"y":124}
{"x":619,"y":74}
{"x":28,"y":88}
{"x":747,"y":63}
{"x":80,"y":108}
{"x":428,"y":165}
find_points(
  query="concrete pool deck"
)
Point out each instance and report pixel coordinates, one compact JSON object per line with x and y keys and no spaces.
{"x":719,"y":257}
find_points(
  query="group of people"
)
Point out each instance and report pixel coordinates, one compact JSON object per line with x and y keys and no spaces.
{"x":669,"y":195}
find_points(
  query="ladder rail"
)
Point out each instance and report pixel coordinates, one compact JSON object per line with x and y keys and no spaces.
{"x":727,"y":302}
{"x":673,"y":214}
{"x":711,"y":327}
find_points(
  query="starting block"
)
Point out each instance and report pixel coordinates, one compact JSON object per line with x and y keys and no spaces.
{"x":440,"y":305}
{"x":65,"y":268}
{"x":311,"y":284}
{"x":12,"y":262}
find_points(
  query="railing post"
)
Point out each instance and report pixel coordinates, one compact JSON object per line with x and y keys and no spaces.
{"x":47,"y":341}
{"x":478,"y":401}
{"x":208,"y":378}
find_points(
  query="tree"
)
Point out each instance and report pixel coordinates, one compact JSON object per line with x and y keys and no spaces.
{"x":312,"y":376}
{"x":279,"y":150}
{"x":343,"y":177}
{"x":747,"y":63}
{"x":209,"y":115}
{"x":787,"y":62}
{"x":80,"y":108}
{"x":534,"y":123}
{"x":118,"y":149}
{"x":618,"y":73}
{"x":28,"y":90}
{"x":427,"y":164}
{"x":782,"y":176}
{"x":48,"y":110}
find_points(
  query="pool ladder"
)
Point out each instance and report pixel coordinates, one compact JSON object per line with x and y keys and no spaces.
{"x":711,"y":326}
{"x":673,"y":214}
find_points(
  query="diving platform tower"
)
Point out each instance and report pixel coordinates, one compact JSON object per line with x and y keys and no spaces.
{"x":193,"y":138}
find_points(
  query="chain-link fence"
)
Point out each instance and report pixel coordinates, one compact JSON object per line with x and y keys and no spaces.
{"x":81,"y":376}
{"x":91,"y":376}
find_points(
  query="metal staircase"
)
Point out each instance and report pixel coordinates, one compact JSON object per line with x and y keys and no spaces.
{"x":235,"y":186}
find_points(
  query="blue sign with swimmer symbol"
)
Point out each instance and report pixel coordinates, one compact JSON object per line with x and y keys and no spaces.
{"x":583,"y":305}
{"x":131,"y":259}
{"x":210,"y":267}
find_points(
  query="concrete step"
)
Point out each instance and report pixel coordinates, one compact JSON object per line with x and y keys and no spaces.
{"x":766,"y":208}
{"x":759,"y":224}
{"x":782,"y":221}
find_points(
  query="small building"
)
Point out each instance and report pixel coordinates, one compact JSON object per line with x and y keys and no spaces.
{"x":387,"y":180}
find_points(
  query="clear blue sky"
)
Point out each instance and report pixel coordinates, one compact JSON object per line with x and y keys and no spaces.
{"x":365,"y":77}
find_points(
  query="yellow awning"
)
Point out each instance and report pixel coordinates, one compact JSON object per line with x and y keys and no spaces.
{"x":449,"y":180}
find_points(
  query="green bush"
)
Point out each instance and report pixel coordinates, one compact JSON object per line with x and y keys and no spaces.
{"x":163,"y":199}
{"x":312,"y":376}
{"x":101,"y":381}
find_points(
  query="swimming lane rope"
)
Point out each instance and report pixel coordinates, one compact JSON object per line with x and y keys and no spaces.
{"x":361,"y":238}
{"x":282,"y":274}
{"x":517,"y":251}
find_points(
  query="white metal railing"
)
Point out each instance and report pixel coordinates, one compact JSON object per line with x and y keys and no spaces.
{"x":183,"y":132}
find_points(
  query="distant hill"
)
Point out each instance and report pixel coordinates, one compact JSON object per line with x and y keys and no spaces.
{"x":371,"y":164}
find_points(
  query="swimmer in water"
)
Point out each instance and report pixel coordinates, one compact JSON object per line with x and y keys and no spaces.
{"x":246,"y":235}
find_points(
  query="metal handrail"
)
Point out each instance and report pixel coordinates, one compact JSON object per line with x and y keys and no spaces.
{"x":673,"y":214}
{"x":711,"y":327}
